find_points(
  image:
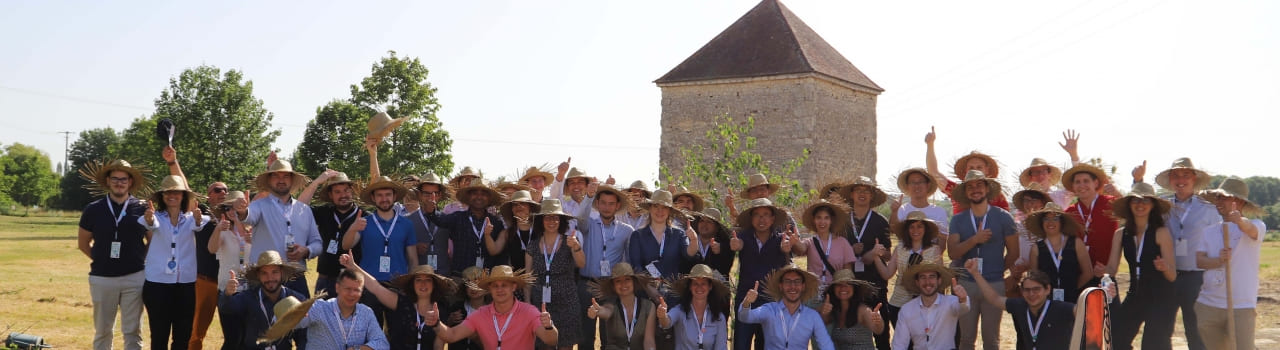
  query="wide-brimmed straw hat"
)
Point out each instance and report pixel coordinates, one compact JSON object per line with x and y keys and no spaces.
{"x":993,"y":168}
{"x":642,"y":187}
{"x":712,"y":214}
{"x":263,"y":181}
{"x":574,"y":173}
{"x":909,"y":278}
{"x":173,"y":183}
{"x":1030,"y":190}
{"x":661,"y":198}
{"x":757,"y":180}
{"x":839,"y":214}
{"x":1202,"y":177}
{"x":698,"y":202}
{"x":1035,"y":221}
{"x":1055,"y":173}
{"x":504,"y":273}
{"x":903,"y":228}
{"x":381,"y":124}
{"x":340,"y":179}
{"x":466,"y":171}
{"x":272,"y":258}
{"x":1084,"y":168}
{"x":1120,"y":206}
{"x":552,"y":206}
{"x":1233,"y":187}
{"x":517,"y":198}
{"x":604,"y":285}
{"x":442,"y":288}
{"x":719,"y":286}
{"x":975,"y":176}
{"x":495,"y":197}
{"x":624,"y":201}
{"x":905,"y":175}
{"x":773,"y":283}
{"x":446,"y":191}
{"x":780,"y":216}
{"x":878,"y":196}
{"x":533,"y":171}
{"x":98,"y":171}
{"x":832,"y":188}
{"x":513,"y":186}
{"x":468,"y":279}
{"x":382,"y":183}
{"x":862,"y":290}
{"x":232,"y":197}
{"x":289,"y":311}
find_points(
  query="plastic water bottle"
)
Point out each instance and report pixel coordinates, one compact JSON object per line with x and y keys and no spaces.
{"x":1107,"y":282}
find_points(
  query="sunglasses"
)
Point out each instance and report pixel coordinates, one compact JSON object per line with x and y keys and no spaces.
{"x":219,"y":190}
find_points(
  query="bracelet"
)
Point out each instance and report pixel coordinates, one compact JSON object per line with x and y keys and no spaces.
{"x":547,"y":328}
{"x":577,"y":250}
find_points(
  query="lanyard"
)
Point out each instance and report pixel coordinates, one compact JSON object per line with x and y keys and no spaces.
{"x":613,"y":230}
{"x":173,"y":240}
{"x":431,"y":231}
{"x":112,"y":209}
{"x":928,"y":316}
{"x":418,"y":315}
{"x":271,"y":319}
{"x":1140,"y":243}
{"x":1057,"y":256}
{"x":1088,"y":220}
{"x":786,"y":331}
{"x":547,"y":257}
{"x":662,"y":242}
{"x":478,"y":231}
{"x":976,"y":226}
{"x":1035,"y":328}
{"x":828,"y":248}
{"x":635,"y":307}
{"x":339,"y":221}
{"x":702,"y":325}
{"x":864,"y":225}
{"x":342,"y":329}
{"x":1186,"y":209}
{"x":503,"y":329}
{"x":386,"y":236}
{"x":524,"y":239}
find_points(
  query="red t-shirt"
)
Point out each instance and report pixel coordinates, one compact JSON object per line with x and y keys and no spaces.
{"x":518,"y":335}
{"x":956,"y":208}
{"x":1099,"y":226}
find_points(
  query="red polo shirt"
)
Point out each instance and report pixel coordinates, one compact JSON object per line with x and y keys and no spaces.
{"x":1099,"y":226}
{"x":956,"y":208}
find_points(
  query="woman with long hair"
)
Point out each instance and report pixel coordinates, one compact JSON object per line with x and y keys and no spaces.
{"x":553,"y":258}
{"x":1144,"y":241}
{"x":700,"y":319}
{"x":1059,"y":253}
{"x":853,"y":325}
{"x":626,"y":320}
{"x":918,"y":235}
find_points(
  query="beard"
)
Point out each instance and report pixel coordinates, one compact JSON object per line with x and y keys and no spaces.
{"x":281,"y":190}
{"x":271,"y":287}
{"x":385,"y":206}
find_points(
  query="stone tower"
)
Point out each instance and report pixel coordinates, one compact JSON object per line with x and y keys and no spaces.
{"x":801,"y":91}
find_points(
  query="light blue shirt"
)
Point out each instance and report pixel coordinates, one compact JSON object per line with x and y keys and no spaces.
{"x":172,"y":243}
{"x":1187,"y":222}
{"x":274,"y":221}
{"x":325,"y":330}
{"x":601,"y":242}
{"x":782,"y":329}
{"x":687,"y":329}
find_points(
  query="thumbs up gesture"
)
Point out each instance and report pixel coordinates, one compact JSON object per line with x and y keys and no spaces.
{"x":735,"y":243}
{"x":958,"y":290}
{"x":233,"y":285}
{"x":877,"y":250}
{"x":432,"y":318}
{"x":488,"y":226}
{"x":572,"y":241}
{"x":826,"y":307}
{"x":786,"y":243}
{"x":359,"y":223}
{"x":752,"y":294}
{"x":594,"y":309}
{"x":662,"y":310}
{"x":715,"y":247}
{"x":875,"y":315}
{"x":545,"y":317}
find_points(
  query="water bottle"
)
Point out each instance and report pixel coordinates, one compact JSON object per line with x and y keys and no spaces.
{"x":1107,"y":282}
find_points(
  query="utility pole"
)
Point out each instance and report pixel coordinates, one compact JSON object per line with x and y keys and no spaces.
{"x":66,"y":152}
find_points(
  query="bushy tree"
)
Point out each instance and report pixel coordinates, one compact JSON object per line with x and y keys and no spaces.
{"x":31,"y":174}
{"x":727,"y":158}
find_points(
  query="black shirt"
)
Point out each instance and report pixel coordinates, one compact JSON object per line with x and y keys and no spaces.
{"x":876,"y":228}
{"x":100,"y":219}
{"x":467,"y":246}
{"x":1055,"y":330}
{"x":206,"y":262}
{"x":333,"y":225}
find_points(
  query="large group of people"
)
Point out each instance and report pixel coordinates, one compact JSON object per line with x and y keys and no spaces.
{"x":557,"y":259}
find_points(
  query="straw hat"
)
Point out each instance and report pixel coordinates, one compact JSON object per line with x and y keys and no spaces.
{"x":517,"y":198}
{"x":1202,"y":177}
{"x":504,"y":273}
{"x":1035,"y":221}
{"x":909,"y":278}
{"x":993,"y":168}
{"x":339,"y":179}
{"x":468,"y":279}
{"x":643,"y":187}
{"x":698,"y":202}
{"x":1031,"y":189}
{"x":958,"y":193}
{"x":514,"y":186}
{"x":1084,"y":168}
{"x":1055,"y":173}
{"x":624,"y":201}
{"x":173,"y":183}
{"x":719,"y":286}
{"x":836,"y":188}
{"x":232,"y":197}
{"x":465,"y":172}
{"x":381,"y":124}
{"x":262,"y":182}
{"x":1120,"y":206}
{"x":97,"y":172}
{"x":443,"y":286}
{"x":553,"y":207}
{"x":712,"y":214}
{"x":878,"y":196}
{"x":906,"y":175}
{"x":839,"y":214}
{"x":1233,"y":187}
{"x":773,"y":283}
{"x":757,"y":180}
{"x":902,"y":229}
{"x":495,"y":197}
{"x":366,"y":194}
{"x":862,"y":290}
{"x":446,"y":191}
{"x":620,"y":270}
{"x":660,"y":197}
{"x":574,"y":173}
{"x":533,"y":172}
{"x":272,"y":258}
{"x":289,"y":312}
{"x":780,"y":216}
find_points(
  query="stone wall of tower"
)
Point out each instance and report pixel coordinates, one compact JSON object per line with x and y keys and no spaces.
{"x":835,"y":120}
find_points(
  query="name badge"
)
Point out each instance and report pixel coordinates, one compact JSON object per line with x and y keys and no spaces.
{"x":333,"y":247}
{"x":1058,"y":294}
{"x":171,"y":268}
{"x":604,"y":268}
{"x":384,"y":264}
{"x":546,"y":294}
{"x":653,"y":269}
{"x":288,"y":241}
{"x":858,"y":266}
{"x":431,"y":260}
{"x":979,"y":266}
{"x":1180,"y":247}
{"x":479,"y":262}
{"x":115,"y":250}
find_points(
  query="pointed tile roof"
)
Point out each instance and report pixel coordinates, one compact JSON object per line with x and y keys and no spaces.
{"x":768,"y":40}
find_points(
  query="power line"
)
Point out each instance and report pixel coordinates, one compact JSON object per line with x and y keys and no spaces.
{"x":565,"y":145}
{"x":73,"y":98}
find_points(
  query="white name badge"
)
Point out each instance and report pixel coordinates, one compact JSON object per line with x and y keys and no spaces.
{"x":171,"y":268}
{"x":653,"y":269}
{"x":1180,"y":247}
{"x":431,"y":260}
{"x":479,"y":262}
{"x":288,"y":241}
{"x":604,"y":268}
{"x":384,"y":264}
{"x":115,"y":250}
{"x":858,"y":266}
{"x":333,"y":247}
{"x":979,"y":267}
{"x":546,"y":294}
{"x":1058,"y":294}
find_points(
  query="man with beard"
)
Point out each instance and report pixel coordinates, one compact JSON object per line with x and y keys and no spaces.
{"x":433,"y":242}
{"x":604,"y":241}
{"x":282,"y":223}
{"x":206,"y":287}
{"x":522,"y":321}
{"x":975,"y":160}
{"x":333,"y":218}
{"x":255,"y":306}
{"x":116,"y":245}
{"x":467,"y":228}
{"x":928,"y":321}
{"x":762,"y":246}
{"x":985,"y":232}
{"x":787,"y":321}
{"x":388,"y":246}
{"x":1035,"y":316}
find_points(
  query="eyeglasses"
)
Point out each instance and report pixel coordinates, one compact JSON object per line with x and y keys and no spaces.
{"x":119,"y":180}
{"x":219,"y":190}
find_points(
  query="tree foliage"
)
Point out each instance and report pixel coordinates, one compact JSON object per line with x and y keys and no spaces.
{"x":89,"y":146}
{"x":727,"y":158}
{"x":399,"y":86}
{"x":30,"y":174}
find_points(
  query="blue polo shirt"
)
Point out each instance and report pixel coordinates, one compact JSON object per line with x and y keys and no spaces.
{"x":373,"y":244}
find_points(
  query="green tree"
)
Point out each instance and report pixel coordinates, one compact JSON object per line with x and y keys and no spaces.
{"x":32,"y":175}
{"x":728,"y":157}
{"x":223,"y":131}
{"x":91,"y":145}
{"x":399,"y":86}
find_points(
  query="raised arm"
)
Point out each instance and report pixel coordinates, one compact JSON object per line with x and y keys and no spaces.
{"x":310,"y":191}
{"x":931,"y":157}
{"x":385,"y":296}
{"x":575,"y":246}
{"x":988,"y":293}
{"x":170,"y":156}
{"x":372,"y":146}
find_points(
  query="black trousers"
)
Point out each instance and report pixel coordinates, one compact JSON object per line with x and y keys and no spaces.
{"x":232,"y":330}
{"x":171,"y":309}
{"x":1186,"y":289}
{"x":1150,"y":306}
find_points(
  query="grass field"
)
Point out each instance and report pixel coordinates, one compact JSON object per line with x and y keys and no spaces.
{"x":46,"y":291}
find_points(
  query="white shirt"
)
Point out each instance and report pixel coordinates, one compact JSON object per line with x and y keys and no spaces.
{"x":933,"y":212}
{"x":172,"y":243}
{"x":1245,"y":253}
{"x":940,"y":318}
{"x":229,"y":256}
{"x":267,"y":216}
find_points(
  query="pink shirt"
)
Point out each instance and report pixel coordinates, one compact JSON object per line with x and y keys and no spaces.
{"x":519,"y":335}
{"x":839,"y":253}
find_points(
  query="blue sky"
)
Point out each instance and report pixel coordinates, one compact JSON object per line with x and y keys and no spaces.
{"x":525,"y":82}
